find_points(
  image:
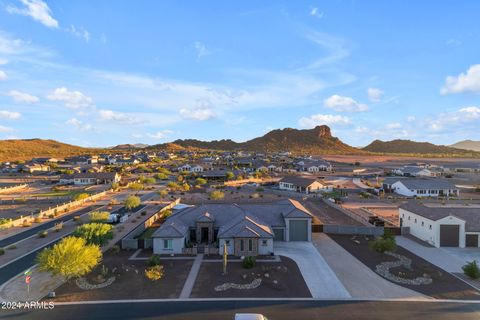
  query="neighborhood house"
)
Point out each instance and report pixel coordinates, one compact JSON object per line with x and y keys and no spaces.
{"x":246,"y":229}
{"x":90,"y":178}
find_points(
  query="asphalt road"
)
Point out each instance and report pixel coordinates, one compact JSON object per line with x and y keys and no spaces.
{"x":32,"y":231}
{"x":276,"y":310}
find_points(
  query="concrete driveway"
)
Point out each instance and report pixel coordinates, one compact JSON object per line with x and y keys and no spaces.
{"x":358,"y":279}
{"x":321,"y":280}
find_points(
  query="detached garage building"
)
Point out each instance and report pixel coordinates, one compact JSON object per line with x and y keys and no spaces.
{"x":442,"y":226}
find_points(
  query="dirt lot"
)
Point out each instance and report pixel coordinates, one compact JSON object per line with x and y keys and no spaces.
{"x":327,"y":214}
{"x":443,"y":286}
{"x":130,"y":282}
{"x":289,"y":281}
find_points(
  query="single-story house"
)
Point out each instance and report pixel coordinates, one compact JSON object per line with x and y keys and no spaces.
{"x":190,"y":168}
{"x":421,"y":187}
{"x":246,"y":229}
{"x":90,"y":178}
{"x":302,"y":184}
{"x":411,"y":171}
{"x":442,"y":226}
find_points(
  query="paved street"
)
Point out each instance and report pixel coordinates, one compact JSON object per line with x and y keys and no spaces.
{"x":276,"y":310}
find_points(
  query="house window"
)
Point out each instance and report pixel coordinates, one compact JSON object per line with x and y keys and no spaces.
{"x":408,"y":217}
{"x":242,"y":245}
{"x":227,"y":242}
{"x":264,"y":243}
{"x":430,"y":227}
{"x":250,"y":245}
{"x":167,"y":244}
{"x":415,"y":220}
{"x":422,"y":223}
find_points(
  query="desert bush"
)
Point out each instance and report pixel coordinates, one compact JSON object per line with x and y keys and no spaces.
{"x":382,"y":244}
{"x":132,"y":202}
{"x":248,"y":262}
{"x":99,"y":216}
{"x":2,"y":251}
{"x":42,"y":234}
{"x":94,"y":233}
{"x":143,"y":213}
{"x":154,"y":273}
{"x":216,"y":195}
{"x":58,"y":226}
{"x":37,"y":220}
{"x":471,"y":270}
{"x":26,"y":223}
{"x":81,"y":196}
{"x":115,"y":249}
{"x":153,"y":261}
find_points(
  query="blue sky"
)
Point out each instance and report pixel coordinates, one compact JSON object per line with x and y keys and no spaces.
{"x":109,"y":72}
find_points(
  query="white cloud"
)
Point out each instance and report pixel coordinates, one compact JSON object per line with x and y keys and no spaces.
{"x":10,"y":115}
{"x":22,"y":97}
{"x":71,"y":99}
{"x":36,"y":9}
{"x":316,"y":13}
{"x":464,"y":82}
{"x":3,"y":61}
{"x":451,"y":120}
{"x":119,"y":117}
{"x":3,"y":75}
{"x":321,"y":119}
{"x":411,"y":118}
{"x":395,"y":125}
{"x":344,"y":104}
{"x":79,"y":125}
{"x":202,"y":50}
{"x":159,"y":134}
{"x":200,"y":114}
{"x":79,"y":32}
{"x":5,"y":129}
{"x":374,"y":94}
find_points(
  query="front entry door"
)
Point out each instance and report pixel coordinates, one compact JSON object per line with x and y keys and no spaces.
{"x":204,"y":235}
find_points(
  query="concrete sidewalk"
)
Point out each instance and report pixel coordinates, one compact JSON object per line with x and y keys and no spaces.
{"x":358,"y":279}
{"x":192,"y":277}
{"x":320,"y":279}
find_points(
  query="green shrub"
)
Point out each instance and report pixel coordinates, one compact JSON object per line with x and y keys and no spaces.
{"x":99,"y":216}
{"x":132,"y":202}
{"x":471,"y":270}
{"x":217,"y":195}
{"x":248,"y":262}
{"x":37,"y":220}
{"x":81,"y":196}
{"x":153,"y":261}
{"x":115,"y":249}
{"x":94,"y":233}
{"x":200,"y":181}
{"x":154,"y":273}
{"x":136,"y":186}
{"x":143,"y":213}
{"x":42,"y":234}
{"x":383,"y":244}
{"x":2,"y":251}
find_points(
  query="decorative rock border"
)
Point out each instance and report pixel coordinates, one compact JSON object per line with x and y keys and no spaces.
{"x":383,"y":269}
{"x":248,"y":286}
{"x":83,"y":284}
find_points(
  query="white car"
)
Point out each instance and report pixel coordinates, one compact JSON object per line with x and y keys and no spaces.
{"x":249,"y":316}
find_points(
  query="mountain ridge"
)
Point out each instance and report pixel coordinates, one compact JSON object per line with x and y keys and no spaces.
{"x":471,"y":145}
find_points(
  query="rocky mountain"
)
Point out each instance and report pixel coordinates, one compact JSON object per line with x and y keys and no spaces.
{"x":130,"y":146}
{"x":413,"y":147}
{"x":12,"y":150}
{"x":467,"y":145}
{"x":318,"y":140}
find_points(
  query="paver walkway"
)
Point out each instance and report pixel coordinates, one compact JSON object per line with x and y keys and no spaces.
{"x":192,"y":277}
{"x":358,"y":279}
{"x":437,"y":256}
{"x":320,"y":279}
